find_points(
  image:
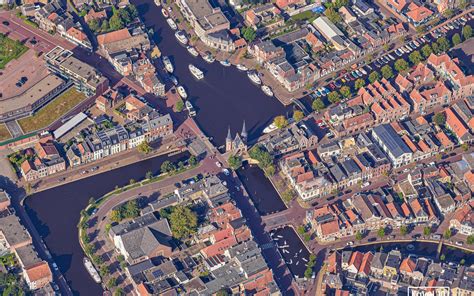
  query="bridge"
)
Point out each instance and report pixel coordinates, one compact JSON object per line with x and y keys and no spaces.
{"x":302,"y":107}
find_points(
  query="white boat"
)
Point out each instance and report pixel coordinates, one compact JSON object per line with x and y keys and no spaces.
{"x":192,"y":51}
{"x":174,"y":80}
{"x":190,"y":108}
{"x":172,"y":24}
{"x":225,"y":63}
{"x":168,"y":65}
{"x":182,"y":92}
{"x":242,"y":67}
{"x":158,"y":3}
{"x":91,"y":270}
{"x":209,"y":58}
{"x":270,"y":129}
{"x":165,"y":13}
{"x":196,"y":71}
{"x":254,"y":77}
{"x":267,"y":90}
{"x":181,"y":37}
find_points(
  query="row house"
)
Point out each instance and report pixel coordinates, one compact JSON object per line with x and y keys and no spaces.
{"x":46,"y":161}
{"x":77,"y":36}
{"x":266,"y":17}
{"x":108,"y":100}
{"x":461,"y":129}
{"x":429,"y":96}
{"x":463,"y":220}
{"x":300,"y":136}
{"x":264,"y":51}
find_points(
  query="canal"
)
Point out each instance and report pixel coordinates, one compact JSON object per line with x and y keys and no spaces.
{"x":55,"y":213}
{"x":225,"y":97}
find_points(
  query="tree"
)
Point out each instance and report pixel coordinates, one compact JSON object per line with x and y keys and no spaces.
{"x":118,"y":292}
{"x":334,"y":97}
{"x":318,"y":105}
{"x":359,"y":83}
{"x":112,"y":283}
{"x":415,"y":57}
{"x":465,"y":147}
{"x":381,"y":232}
{"x":116,"y":216}
{"x":374,"y":76}
{"x":403,"y":230}
{"x":448,"y":13}
{"x":387,"y":72}
{"x":298,"y":115}
{"x":104,"y":27}
{"x":439,"y":119}
{"x":333,"y":15}
{"x":280,"y":121}
{"x":104,"y":270}
{"x":94,"y":25}
{"x":235,"y":162}
{"x":401,"y":65}
{"x":131,"y":209}
{"x":192,"y":161}
{"x":309,"y":267}
{"x":223,"y":292}
{"x":144,"y":147}
{"x":470,"y":239}
{"x":149,"y":175}
{"x":183,"y":222}
{"x":467,"y":32}
{"x":249,"y":34}
{"x":443,"y":44}
{"x":442,"y":257}
{"x":167,"y":167}
{"x":426,"y":230}
{"x":456,"y":39}
{"x":435,"y":48}
{"x":447,"y":234}
{"x":462,"y":262}
{"x":116,"y":23}
{"x":345,"y":91}
{"x":358,"y":236}
{"x":179,"y":105}
{"x":426,"y":51}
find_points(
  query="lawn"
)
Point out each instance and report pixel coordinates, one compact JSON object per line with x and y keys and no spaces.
{"x":9,"y":50}
{"x":52,"y":111}
{"x":4,"y":133}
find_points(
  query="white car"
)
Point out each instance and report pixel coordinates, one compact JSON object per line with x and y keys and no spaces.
{"x":226,"y":172}
{"x":350,"y":243}
{"x":218,"y":164}
{"x":365,"y":184}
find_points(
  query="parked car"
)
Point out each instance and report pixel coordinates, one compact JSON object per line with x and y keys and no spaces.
{"x":6,"y":23}
{"x":218,"y":164}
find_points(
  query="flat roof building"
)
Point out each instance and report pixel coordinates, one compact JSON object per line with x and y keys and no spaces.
{"x":392,"y":144}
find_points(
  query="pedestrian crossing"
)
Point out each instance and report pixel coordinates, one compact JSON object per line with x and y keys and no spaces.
{"x":268,"y":246}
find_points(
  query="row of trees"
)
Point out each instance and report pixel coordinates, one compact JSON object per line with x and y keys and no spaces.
{"x":281,"y":121}
{"x":170,"y":167}
{"x":183,"y":221}
{"x":127,"y":211}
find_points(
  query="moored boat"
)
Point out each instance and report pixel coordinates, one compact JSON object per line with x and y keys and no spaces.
{"x":165,"y":13}
{"x":174,"y":80}
{"x":267,"y":90}
{"x":209,"y":58}
{"x":182,"y":92}
{"x":91,"y":270}
{"x":225,"y":63}
{"x":190,"y":108}
{"x":242,"y":67}
{"x":158,"y":3}
{"x":181,"y":36}
{"x":172,"y":24}
{"x":192,"y":51}
{"x":272,"y":127}
{"x":168,"y":65}
{"x":254,"y":77}
{"x":197,"y":73}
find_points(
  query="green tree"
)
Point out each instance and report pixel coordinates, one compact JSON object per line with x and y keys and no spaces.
{"x":381,"y":232}
{"x":116,"y":216}
{"x":179,"y":105}
{"x":415,"y":57}
{"x":467,"y":32}
{"x":118,"y":292}
{"x":465,"y":147}
{"x":448,"y":13}
{"x":345,"y":91}
{"x":443,"y":44}
{"x":401,"y":65}
{"x":280,"y":121}
{"x":116,"y":23}
{"x":426,"y":51}
{"x":112,"y":283}
{"x":235,"y":162}
{"x":298,"y":115}
{"x":183,"y":222}
{"x":192,"y":161}
{"x":333,"y":15}
{"x":301,"y":230}
{"x":435,"y":48}
{"x":104,"y":27}
{"x":149,"y":175}
{"x":456,"y":39}
{"x":387,"y":72}
{"x":334,"y":97}
{"x":144,"y":147}
{"x":108,"y":226}
{"x":359,"y":83}
{"x":249,"y":34}
{"x":447,"y":234}
{"x":318,"y":105}
{"x":104,"y":270}
{"x":223,"y":292}
{"x":426,"y":230}
{"x":442,"y":257}
{"x":167,"y":167}
{"x":462,"y":262}
{"x":359,"y":236}
{"x":470,"y":239}
{"x":403,"y":230}
{"x":131,"y":209}
{"x":288,"y":195}
{"x":439,"y":119}
{"x":374,"y":76}
{"x":309,"y":267}
{"x":94,"y":25}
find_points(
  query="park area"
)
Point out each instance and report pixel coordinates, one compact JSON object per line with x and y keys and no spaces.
{"x":9,"y":50}
{"x":4,"y":133}
{"x":52,"y":111}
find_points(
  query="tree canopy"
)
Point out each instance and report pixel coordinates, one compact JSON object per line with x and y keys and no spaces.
{"x":318,"y":105}
{"x":235,"y":162}
{"x":183,"y":222}
{"x":280,"y":121}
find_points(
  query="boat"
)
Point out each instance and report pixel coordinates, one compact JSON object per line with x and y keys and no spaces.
{"x":242,"y":67}
{"x":168,"y":65}
{"x":272,"y":127}
{"x":172,"y":24}
{"x":190,"y":108}
{"x":165,"y":13}
{"x":91,"y":270}
{"x":182,"y":92}
{"x":267,"y":90}
{"x":209,"y":58}
{"x":196,"y":71}
{"x":225,"y":63}
{"x":174,"y":80}
{"x":192,"y":51}
{"x":158,"y":3}
{"x":181,"y":37}
{"x":254,"y":77}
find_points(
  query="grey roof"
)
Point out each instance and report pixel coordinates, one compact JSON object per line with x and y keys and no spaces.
{"x":244,"y":251}
{"x":378,"y":261}
{"x":337,"y":173}
{"x":393,"y":259}
{"x":4,"y":196}
{"x":351,"y":167}
{"x":254,"y":265}
{"x":27,"y":256}
{"x":391,"y":140}
{"x":161,"y":271}
{"x":13,"y":231}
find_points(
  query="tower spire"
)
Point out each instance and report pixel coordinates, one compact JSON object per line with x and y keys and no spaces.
{"x":229,"y":136}
{"x":244,"y":131}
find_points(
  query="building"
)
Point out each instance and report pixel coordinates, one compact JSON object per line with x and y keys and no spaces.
{"x":238,"y":145}
{"x":38,"y":275}
{"x":12,"y":234}
{"x":392,"y":144}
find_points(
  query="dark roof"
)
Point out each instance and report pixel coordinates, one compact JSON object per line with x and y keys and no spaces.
{"x":389,"y":137}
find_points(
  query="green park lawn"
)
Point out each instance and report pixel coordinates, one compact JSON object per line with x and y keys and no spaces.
{"x":9,"y":50}
{"x":4,"y":133}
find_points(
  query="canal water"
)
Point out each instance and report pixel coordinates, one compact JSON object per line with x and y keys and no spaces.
{"x":55,"y":213}
{"x":225,"y":97}
{"x":261,"y":191}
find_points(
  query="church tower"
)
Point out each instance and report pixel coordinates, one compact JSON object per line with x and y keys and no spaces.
{"x":228,"y":141}
{"x":243,"y":134}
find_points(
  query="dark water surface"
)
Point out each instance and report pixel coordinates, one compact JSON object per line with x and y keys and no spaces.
{"x":292,"y":250}
{"x":55,"y":213}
